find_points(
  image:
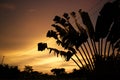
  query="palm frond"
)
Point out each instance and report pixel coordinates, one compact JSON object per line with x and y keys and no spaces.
{"x":56,"y":51}
{"x":67,"y":55}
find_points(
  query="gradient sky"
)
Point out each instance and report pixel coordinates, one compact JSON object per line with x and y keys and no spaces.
{"x":24,"y":23}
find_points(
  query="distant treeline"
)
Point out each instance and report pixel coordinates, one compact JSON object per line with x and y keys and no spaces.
{"x":8,"y":72}
{"x":108,"y":69}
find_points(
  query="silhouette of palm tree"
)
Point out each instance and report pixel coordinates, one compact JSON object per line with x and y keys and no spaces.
{"x":98,"y":46}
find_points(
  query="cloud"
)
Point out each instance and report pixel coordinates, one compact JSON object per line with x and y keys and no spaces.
{"x":7,"y":6}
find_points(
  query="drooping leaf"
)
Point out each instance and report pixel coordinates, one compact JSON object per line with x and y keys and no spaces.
{"x":56,"y":51}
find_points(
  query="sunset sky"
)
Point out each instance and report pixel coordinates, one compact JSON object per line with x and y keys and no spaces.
{"x":24,"y":23}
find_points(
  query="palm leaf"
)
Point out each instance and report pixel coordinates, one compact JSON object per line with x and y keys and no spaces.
{"x":104,"y":21}
{"x":86,"y":20}
{"x":67,"y":55}
{"x":114,"y":34}
{"x":56,"y":51}
{"x":52,"y":33}
{"x":57,"y":19}
{"x":66,"y":16}
{"x":42,"y":46}
{"x":61,"y":31}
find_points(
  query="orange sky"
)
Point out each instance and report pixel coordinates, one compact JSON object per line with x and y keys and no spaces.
{"x":24,"y":23}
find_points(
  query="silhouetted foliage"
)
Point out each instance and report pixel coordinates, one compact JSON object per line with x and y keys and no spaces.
{"x":98,"y":46}
{"x":58,"y":71}
{"x":9,"y":72}
{"x":28,"y":69}
{"x":42,"y":46}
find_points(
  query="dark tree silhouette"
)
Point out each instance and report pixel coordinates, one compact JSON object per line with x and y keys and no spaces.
{"x":28,"y":69}
{"x":8,"y":72}
{"x":58,"y":71}
{"x":98,"y":46}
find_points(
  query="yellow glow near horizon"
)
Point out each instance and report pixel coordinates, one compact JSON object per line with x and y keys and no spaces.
{"x":38,"y":59}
